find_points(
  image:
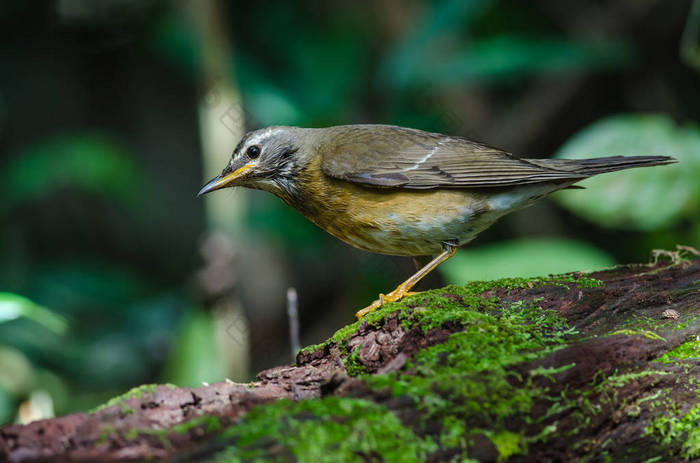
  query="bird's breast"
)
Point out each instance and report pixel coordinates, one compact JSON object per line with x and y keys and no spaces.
{"x":391,"y":221}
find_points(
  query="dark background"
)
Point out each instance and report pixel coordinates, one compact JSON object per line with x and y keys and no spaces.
{"x":114,"y":274}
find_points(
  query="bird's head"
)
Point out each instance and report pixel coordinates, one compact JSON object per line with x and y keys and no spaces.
{"x":266,"y":159}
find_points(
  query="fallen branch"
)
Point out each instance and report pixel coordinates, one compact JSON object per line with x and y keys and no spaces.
{"x":593,"y":366}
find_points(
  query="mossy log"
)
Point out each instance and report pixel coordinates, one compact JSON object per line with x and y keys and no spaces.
{"x":595,"y":367}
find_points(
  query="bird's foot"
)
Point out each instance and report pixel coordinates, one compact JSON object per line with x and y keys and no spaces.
{"x":396,"y":295}
{"x":403,"y":290}
{"x":370,"y":308}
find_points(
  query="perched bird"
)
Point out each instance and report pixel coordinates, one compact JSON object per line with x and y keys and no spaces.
{"x":399,"y":191}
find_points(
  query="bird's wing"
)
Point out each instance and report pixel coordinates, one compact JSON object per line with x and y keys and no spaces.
{"x":395,"y":157}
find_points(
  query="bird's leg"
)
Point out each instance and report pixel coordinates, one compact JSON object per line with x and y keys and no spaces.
{"x":419,"y":262}
{"x":449,"y":249}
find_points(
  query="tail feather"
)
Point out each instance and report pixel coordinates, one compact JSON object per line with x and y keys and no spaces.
{"x":594,"y":166}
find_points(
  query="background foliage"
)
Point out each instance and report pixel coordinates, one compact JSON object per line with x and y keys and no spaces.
{"x":102,"y":239}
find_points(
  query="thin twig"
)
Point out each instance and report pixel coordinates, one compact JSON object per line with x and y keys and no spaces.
{"x":293,"y":314}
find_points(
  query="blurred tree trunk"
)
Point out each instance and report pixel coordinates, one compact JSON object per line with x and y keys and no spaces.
{"x":222,"y":124}
{"x":610,"y":389}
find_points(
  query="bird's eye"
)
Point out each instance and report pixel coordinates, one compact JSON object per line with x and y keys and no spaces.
{"x":253,"y":151}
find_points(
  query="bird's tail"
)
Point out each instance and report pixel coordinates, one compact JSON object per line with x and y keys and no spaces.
{"x":594,"y":166}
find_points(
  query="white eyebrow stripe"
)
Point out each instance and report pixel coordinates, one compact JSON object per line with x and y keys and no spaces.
{"x":263,"y":135}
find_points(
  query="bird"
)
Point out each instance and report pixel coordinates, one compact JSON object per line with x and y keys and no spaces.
{"x":401,"y":191}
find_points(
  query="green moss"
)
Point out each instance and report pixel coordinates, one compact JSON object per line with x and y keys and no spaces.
{"x":630,"y":332}
{"x":352,"y":363}
{"x":640,"y":322}
{"x":373,"y":318}
{"x":671,"y":426}
{"x":453,"y":433}
{"x":207,"y":423}
{"x":470,"y":295}
{"x":161,"y":434}
{"x":133,"y":433}
{"x":635,"y":409}
{"x":556,"y":280}
{"x":620,"y":380}
{"x":645,"y":323}
{"x":107,"y":431}
{"x":466,"y":378}
{"x":653,"y":396}
{"x":685,"y":324}
{"x":686,"y":427}
{"x":687,"y":350}
{"x":134,"y":393}
{"x":508,"y":444}
{"x":463,"y":386}
{"x":360,"y":431}
{"x":126,"y":410}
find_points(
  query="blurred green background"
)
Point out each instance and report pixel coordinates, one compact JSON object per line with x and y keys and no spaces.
{"x":113,"y":112}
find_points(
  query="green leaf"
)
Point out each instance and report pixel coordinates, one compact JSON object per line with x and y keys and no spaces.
{"x":506,"y":57}
{"x":523,"y":258}
{"x":13,"y":306}
{"x":88,"y":162}
{"x":645,"y":198}
{"x":439,"y":24}
{"x":441,"y":51}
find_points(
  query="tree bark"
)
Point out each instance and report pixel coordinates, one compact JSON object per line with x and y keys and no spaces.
{"x":562,"y":369}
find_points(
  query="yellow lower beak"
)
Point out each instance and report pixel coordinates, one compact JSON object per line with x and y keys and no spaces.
{"x":220,"y":182}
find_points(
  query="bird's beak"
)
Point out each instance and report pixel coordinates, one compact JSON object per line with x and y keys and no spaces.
{"x":222,"y":181}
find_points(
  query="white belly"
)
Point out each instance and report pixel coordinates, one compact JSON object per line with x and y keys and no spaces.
{"x":460,"y":216}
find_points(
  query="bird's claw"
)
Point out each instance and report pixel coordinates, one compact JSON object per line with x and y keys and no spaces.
{"x":393,"y":296}
{"x":370,"y":308}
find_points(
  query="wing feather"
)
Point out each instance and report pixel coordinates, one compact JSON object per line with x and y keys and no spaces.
{"x":390,"y":157}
